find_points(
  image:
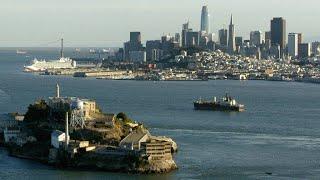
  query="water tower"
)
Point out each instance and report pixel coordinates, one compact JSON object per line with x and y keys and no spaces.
{"x":77,"y":114}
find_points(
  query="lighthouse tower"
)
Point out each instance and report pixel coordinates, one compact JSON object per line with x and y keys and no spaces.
{"x":58,"y":91}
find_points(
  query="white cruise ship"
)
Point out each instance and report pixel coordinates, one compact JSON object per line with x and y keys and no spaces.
{"x":21,"y":51}
{"x":43,"y":65}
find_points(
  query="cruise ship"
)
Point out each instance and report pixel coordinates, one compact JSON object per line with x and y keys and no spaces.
{"x":43,"y":65}
{"x":21,"y":51}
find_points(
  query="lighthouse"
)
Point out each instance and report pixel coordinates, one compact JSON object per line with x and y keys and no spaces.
{"x":58,"y":91}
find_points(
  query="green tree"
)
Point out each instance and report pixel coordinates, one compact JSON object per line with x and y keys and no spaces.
{"x":37,"y":112}
{"x":124,"y":118}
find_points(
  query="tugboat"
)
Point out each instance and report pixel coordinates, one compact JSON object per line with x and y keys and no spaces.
{"x":227,"y":103}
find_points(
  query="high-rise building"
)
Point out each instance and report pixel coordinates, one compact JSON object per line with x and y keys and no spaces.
{"x":167,"y":38}
{"x":135,"y":37}
{"x":211,"y":36}
{"x":275,"y":51}
{"x":223,"y":37}
{"x":239,"y":41}
{"x":133,"y":45}
{"x":126,"y":50}
{"x":151,"y":46}
{"x":177,"y":38}
{"x":267,"y":39}
{"x":168,"y":44}
{"x":119,"y":55}
{"x":300,"y":38}
{"x":156,"y":54}
{"x":278,"y":33}
{"x":267,"y":35}
{"x":137,"y":56}
{"x":203,"y":42}
{"x":211,"y":45}
{"x":293,"y":43}
{"x":205,"y":19}
{"x":304,"y":50}
{"x":231,"y":40}
{"x":192,"y":39}
{"x":315,"y":48}
{"x":185,"y":29}
{"x":256,"y":38}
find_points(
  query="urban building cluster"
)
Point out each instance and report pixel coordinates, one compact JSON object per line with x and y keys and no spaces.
{"x":274,"y":49}
{"x":272,"y":44}
{"x":200,"y":55}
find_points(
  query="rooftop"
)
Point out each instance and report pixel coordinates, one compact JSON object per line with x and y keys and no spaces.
{"x":134,"y":136}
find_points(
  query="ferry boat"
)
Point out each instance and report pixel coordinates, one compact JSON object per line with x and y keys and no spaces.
{"x":227,"y":103}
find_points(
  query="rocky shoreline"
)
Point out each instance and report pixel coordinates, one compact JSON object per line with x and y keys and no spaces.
{"x":97,"y":163}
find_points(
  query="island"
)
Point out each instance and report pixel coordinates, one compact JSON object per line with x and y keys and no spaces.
{"x":73,"y":132}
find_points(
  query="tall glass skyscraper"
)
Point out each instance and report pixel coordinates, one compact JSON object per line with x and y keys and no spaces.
{"x":205,"y":18}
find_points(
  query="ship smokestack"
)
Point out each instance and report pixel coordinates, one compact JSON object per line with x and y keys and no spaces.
{"x":67,"y":132}
{"x":57,"y":91}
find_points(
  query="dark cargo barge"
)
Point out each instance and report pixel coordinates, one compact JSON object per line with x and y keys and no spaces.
{"x":227,"y":103}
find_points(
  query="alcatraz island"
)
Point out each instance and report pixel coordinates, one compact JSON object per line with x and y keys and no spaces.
{"x":71,"y":132}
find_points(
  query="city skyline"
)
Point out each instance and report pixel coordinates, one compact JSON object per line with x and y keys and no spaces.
{"x":50,"y":21}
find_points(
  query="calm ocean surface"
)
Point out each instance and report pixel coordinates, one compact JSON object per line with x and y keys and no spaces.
{"x":279,"y":133}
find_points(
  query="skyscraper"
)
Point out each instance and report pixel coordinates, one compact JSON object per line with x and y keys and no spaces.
{"x":205,"y":18}
{"x":223,"y":37}
{"x":135,"y":37}
{"x":192,"y":38}
{"x":300,"y":38}
{"x":239,"y":41}
{"x":293,"y":42}
{"x":133,"y":45}
{"x":267,"y":35}
{"x":256,"y":38}
{"x":177,"y":38}
{"x":315,"y":47}
{"x":231,"y":40}
{"x":203,"y":41}
{"x":151,"y":46}
{"x":168,"y":44}
{"x":304,"y":50}
{"x":185,"y":29}
{"x":278,"y":33}
{"x":267,"y":39}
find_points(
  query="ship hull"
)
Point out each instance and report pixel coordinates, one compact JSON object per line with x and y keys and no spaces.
{"x":216,"y":107}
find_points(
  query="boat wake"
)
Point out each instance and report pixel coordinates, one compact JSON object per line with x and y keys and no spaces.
{"x":248,"y":138}
{"x":4,"y":97}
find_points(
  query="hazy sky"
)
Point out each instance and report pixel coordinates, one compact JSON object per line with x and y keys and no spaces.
{"x":108,"y":22}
